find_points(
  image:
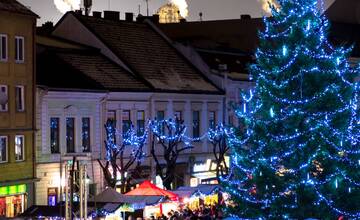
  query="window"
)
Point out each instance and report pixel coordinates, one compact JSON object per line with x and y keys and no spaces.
{"x":3,"y":47}
{"x":126,"y":121}
{"x":19,"y":49}
{"x":140,"y":123}
{"x":3,"y":149}
{"x":19,"y":148}
{"x":111,"y":115}
{"x":20,"y":100}
{"x":4,"y":98}
{"x":70,"y":135}
{"x":212,"y":119}
{"x":86,"y":134}
{"x":196,"y":124}
{"x":178,"y":115}
{"x":54,"y":136}
{"x":160,"y":116}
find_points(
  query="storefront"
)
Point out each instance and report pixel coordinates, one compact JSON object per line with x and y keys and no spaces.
{"x":205,"y":173}
{"x":12,"y":200}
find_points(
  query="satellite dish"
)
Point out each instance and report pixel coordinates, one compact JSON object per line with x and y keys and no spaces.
{"x":3,"y":98}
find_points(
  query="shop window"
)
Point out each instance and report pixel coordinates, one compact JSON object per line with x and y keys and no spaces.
{"x":54,"y":136}
{"x":19,"y":148}
{"x":140,"y":123}
{"x":70,"y":135}
{"x":52,"y":196}
{"x":126,"y":121}
{"x":19,"y":49}
{"x":196,"y":124}
{"x":3,"y":149}
{"x":86,"y":134}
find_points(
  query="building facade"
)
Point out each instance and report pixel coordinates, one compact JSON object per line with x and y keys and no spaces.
{"x":17,"y":108}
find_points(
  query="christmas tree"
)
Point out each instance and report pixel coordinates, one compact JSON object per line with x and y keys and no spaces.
{"x":296,"y":153}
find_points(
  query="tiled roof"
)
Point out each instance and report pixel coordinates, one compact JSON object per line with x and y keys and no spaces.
{"x":15,"y":7}
{"x":148,"y":54}
{"x":239,"y":34}
{"x":84,"y":70}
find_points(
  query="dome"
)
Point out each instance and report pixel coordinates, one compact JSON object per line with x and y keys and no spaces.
{"x":169,"y":13}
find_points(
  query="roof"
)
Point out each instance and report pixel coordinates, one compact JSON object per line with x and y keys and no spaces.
{"x":150,"y":55}
{"x":148,"y":189}
{"x":109,"y":195}
{"x":69,"y":67}
{"x":240,"y":34}
{"x":15,"y":7}
{"x":344,"y":11}
{"x":207,"y":189}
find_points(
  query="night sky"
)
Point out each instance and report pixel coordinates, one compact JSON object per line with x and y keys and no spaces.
{"x":212,"y":9}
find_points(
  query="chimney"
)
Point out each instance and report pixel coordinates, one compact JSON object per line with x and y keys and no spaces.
{"x":182,"y":20}
{"x":155,"y":18}
{"x":97,"y":14}
{"x":78,"y":12}
{"x":245,"y":17}
{"x":129,"y":16}
{"x":112,"y":15}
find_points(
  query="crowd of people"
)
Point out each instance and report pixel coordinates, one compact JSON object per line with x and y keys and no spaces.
{"x":202,"y":213}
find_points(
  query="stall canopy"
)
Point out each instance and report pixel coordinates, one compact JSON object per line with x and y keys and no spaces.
{"x":109,"y":195}
{"x":187,"y":191}
{"x":148,"y":189}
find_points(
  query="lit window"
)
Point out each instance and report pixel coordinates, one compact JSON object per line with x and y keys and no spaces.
{"x":212,"y":119}
{"x":3,"y":98}
{"x":19,"y":49}
{"x":86,"y":134}
{"x":3,"y":149}
{"x":126,"y":121}
{"x":3,"y":47}
{"x":19,"y":148}
{"x":54,"y":136}
{"x":70,"y":135}
{"x":196,"y":124}
{"x":140,"y":123}
{"x":20,"y":98}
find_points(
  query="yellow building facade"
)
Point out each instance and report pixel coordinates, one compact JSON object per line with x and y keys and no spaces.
{"x":17,"y":115}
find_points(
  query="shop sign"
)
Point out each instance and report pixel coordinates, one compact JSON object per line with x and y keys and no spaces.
{"x":12,"y":190}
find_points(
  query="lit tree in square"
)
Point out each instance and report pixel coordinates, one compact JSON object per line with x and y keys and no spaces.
{"x":121,"y":158}
{"x":297,"y":154}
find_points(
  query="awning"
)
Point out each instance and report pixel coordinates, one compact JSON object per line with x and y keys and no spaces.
{"x":149,"y":189}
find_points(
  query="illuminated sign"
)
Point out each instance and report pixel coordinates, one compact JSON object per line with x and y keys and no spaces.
{"x":12,"y":190}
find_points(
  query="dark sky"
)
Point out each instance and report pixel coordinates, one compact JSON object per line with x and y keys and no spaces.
{"x":212,"y":9}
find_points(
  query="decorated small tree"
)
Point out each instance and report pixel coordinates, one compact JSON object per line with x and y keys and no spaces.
{"x":296,"y":155}
{"x":218,"y":138}
{"x":168,"y":142}
{"x":121,"y":158}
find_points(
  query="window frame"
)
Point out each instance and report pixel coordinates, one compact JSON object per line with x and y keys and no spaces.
{"x":22,"y":98}
{"x":82,"y":134}
{"x":58,"y":136}
{"x":6,"y":149}
{"x":17,"y":60}
{"x":180,"y":113}
{"x":23,"y":148}
{"x":7,"y":94}
{"x":6,"y":49}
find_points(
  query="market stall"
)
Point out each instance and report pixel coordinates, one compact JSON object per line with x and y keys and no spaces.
{"x":201,"y":195}
{"x":148,"y":189}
